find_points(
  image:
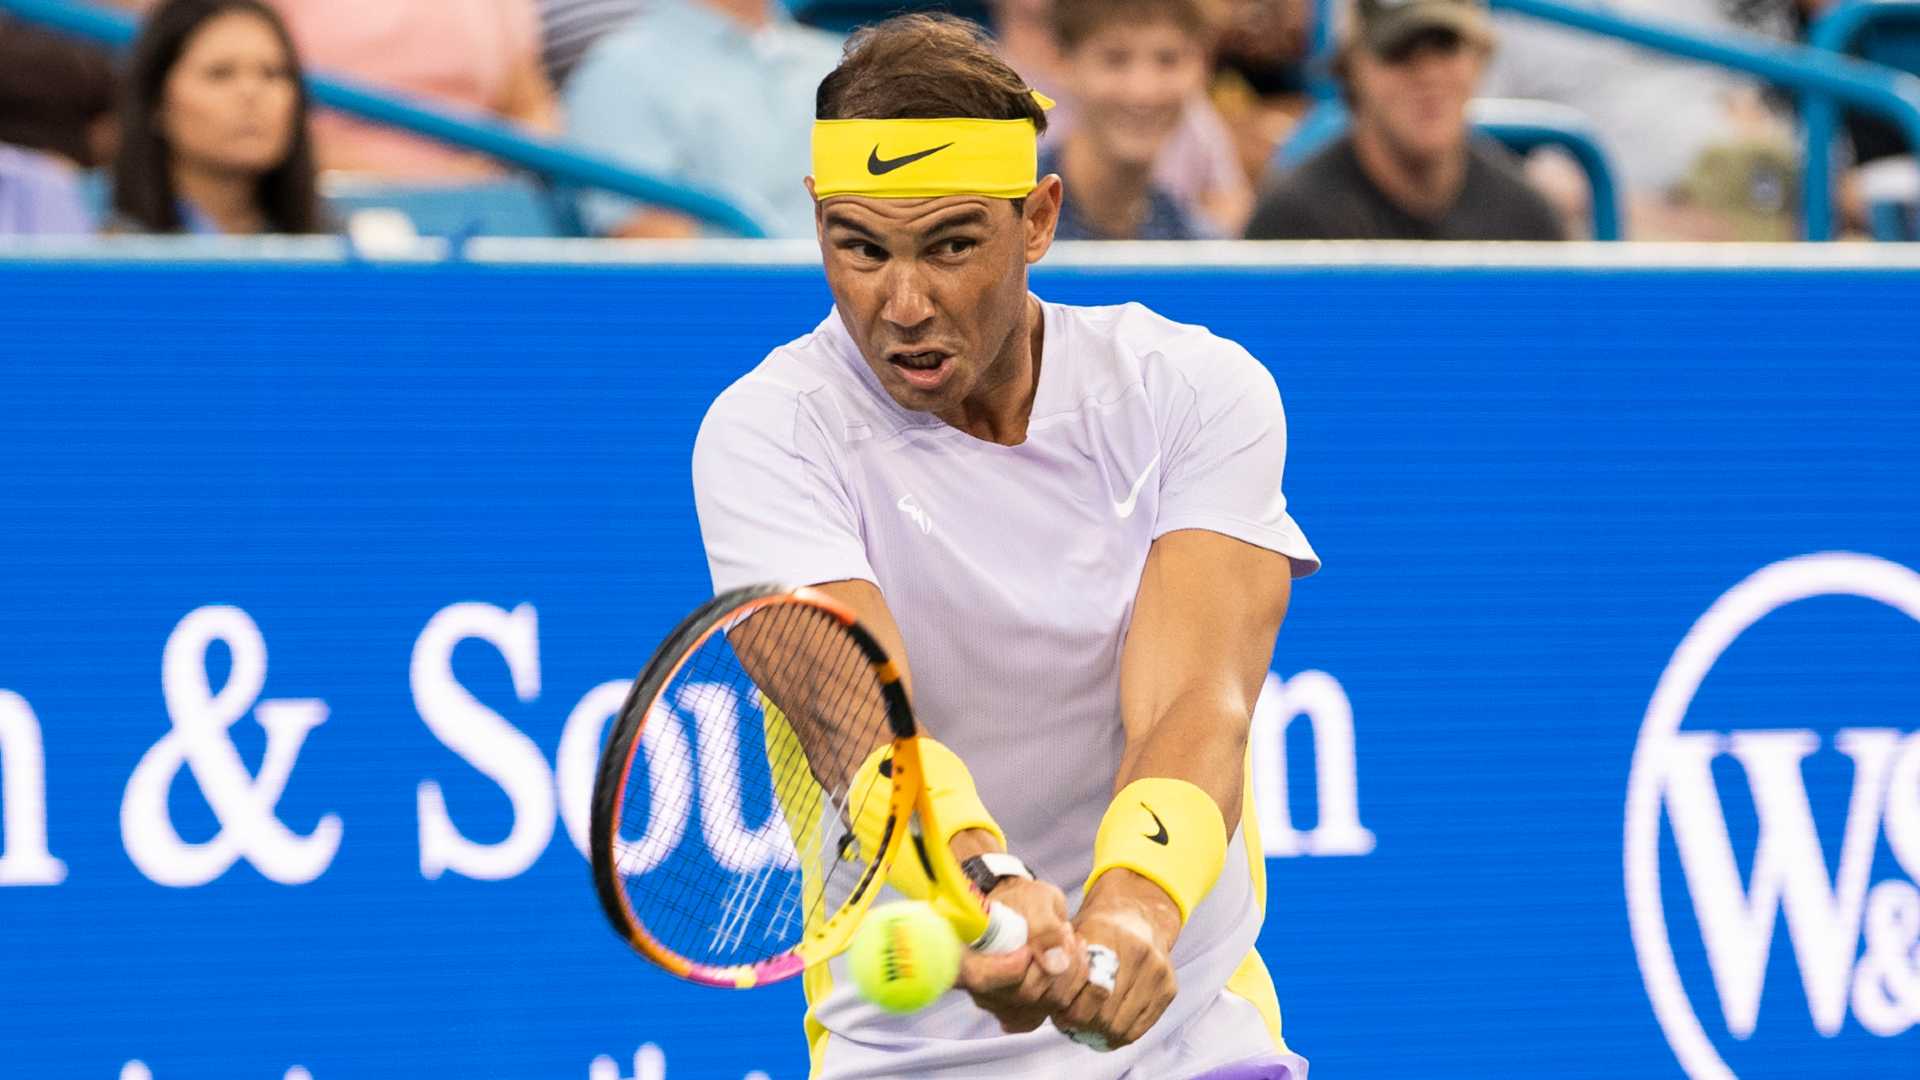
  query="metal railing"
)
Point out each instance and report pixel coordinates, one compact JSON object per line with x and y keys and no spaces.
{"x":1837,"y":31}
{"x":1524,"y":125}
{"x":556,"y":160}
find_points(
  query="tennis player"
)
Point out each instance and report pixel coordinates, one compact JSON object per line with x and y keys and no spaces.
{"x":1070,"y":521}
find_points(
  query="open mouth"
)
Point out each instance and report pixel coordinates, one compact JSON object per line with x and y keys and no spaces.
{"x":925,"y":370}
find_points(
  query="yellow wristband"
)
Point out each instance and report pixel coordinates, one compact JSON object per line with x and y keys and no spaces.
{"x":955,"y":804}
{"x":1167,"y":831}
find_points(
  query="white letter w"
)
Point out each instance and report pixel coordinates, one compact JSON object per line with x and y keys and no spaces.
{"x":1789,"y":868}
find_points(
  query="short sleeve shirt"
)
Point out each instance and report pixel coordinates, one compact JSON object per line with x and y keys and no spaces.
{"x":689,"y":94}
{"x":457,"y":53}
{"x":1011,"y":571}
{"x":1330,"y":197}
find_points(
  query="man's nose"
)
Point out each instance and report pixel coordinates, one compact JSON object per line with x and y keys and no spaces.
{"x":908,"y":304}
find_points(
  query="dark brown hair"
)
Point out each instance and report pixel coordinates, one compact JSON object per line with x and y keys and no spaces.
{"x":924,"y":67}
{"x":143,"y":192}
{"x":1074,"y":21}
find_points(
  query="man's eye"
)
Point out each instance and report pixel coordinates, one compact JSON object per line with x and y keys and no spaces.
{"x":956,"y":246}
{"x":865,"y":250}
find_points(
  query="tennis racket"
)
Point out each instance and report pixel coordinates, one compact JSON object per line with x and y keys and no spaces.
{"x":728,"y":844}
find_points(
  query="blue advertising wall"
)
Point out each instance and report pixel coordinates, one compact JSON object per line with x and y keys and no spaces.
{"x":313,"y":579}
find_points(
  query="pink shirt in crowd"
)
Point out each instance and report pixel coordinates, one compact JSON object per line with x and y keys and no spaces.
{"x":453,"y":53}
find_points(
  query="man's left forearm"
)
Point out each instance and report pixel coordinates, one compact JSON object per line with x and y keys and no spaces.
{"x":1195,"y":659}
{"x":1201,"y":739}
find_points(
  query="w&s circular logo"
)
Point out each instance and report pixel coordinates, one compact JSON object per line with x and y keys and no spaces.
{"x":1772,"y":839}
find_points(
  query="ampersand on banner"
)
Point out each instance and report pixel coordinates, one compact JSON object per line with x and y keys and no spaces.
{"x":245,"y":803}
{"x":1886,"y":985}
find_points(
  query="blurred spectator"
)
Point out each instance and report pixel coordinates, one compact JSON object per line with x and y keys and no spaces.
{"x":717,"y":94}
{"x":1410,"y":167}
{"x":476,"y":56}
{"x":1200,"y":164}
{"x":1700,"y":156}
{"x":56,"y":93}
{"x":1132,"y":67}
{"x":1260,"y":77}
{"x":39,"y":196}
{"x":568,"y":28}
{"x":214,"y":121}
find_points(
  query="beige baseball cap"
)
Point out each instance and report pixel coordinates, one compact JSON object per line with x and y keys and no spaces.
{"x":1385,"y":26}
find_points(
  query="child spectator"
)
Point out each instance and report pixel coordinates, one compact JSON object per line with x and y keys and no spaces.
{"x":1132,"y":68}
{"x":477,"y":56}
{"x":213,"y":121}
{"x":1200,"y":166}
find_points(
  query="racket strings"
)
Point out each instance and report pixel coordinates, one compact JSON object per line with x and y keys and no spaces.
{"x":735,"y":830}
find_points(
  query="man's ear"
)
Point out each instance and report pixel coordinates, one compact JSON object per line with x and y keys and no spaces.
{"x":1041,"y":216}
{"x":819,"y":215}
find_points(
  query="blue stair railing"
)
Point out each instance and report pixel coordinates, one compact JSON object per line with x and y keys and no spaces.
{"x":1839,"y":30}
{"x":1526,"y":125}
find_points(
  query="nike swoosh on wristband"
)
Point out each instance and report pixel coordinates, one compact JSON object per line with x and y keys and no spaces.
{"x":880,"y":166}
{"x":1161,"y":836}
{"x":1123,"y":508}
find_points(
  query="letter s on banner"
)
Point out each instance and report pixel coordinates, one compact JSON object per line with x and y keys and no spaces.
{"x":482,"y":738}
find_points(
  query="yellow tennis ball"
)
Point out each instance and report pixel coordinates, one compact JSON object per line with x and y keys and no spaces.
{"x":904,"y":955}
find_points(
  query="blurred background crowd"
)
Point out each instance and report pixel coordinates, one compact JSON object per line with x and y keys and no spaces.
{"x":1177,"y":119}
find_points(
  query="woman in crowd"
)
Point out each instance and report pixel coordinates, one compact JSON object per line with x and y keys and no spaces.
{"x":214,"y":125}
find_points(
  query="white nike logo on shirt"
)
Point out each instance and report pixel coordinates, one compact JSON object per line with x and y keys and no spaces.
{"x":1123,"y":509}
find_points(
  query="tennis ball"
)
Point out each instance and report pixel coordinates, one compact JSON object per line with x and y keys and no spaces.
{"x":904,"y":956}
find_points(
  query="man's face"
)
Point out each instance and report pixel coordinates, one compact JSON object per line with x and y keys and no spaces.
{"x":1416,"y":97}
{"x":1130,"y":83}
{"x":934,"y":290}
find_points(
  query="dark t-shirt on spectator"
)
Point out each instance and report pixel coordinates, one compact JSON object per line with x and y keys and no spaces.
{"x":1329,"y":197}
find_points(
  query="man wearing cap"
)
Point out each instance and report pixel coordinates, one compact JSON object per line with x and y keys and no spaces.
{"x":1410,"y":167}
{"x":1069,"y":521}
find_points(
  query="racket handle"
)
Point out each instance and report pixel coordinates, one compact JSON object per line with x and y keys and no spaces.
{"x":1006,"y":930}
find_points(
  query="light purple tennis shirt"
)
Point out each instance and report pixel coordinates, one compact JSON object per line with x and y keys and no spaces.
{"x":1012,"y":572}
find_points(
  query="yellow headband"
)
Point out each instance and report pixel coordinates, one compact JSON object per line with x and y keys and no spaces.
{"x":925,"y":159}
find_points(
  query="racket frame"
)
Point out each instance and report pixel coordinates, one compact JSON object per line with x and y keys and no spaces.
{"x":623,"y":746}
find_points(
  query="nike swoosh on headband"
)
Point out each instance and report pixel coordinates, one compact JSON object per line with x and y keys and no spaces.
{"x":880,"y":166}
